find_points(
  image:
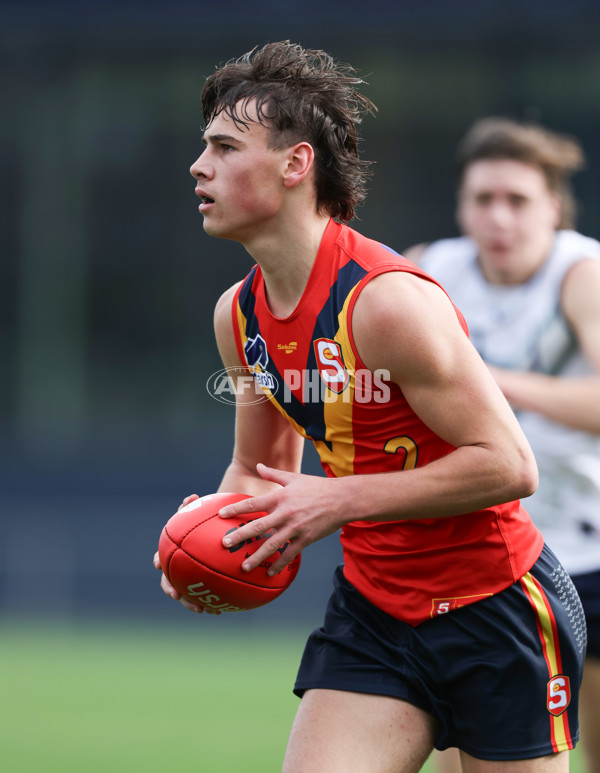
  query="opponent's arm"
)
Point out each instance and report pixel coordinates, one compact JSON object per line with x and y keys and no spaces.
{"x":570,"y":401}
{"x":407,"y":325}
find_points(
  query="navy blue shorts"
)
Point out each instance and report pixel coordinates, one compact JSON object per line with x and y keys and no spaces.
{"x":501,"y":676}
{"x":588,"y":588}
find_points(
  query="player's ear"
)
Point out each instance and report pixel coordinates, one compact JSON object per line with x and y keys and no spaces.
{"x":299,"y":162}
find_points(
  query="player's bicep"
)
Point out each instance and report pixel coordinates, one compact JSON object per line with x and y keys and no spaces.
{"x":461,"y":402}
{"x":408,"y":326}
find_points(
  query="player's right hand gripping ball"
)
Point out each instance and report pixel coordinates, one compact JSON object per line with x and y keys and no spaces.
{"x":199,"y":567}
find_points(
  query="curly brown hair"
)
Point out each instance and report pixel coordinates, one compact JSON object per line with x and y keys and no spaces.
{"x":300,"y":95}
{"x":558,"y":156}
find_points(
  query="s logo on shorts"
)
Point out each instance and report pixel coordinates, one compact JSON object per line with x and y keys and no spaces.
{"x":559,"y":694}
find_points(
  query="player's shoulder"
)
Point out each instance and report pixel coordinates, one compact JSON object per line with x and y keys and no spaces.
{"x":223,"y":314}
{"x":368,"y":253}
{"x":579,"y":275}
{"x":397,"y":297}
{"x":575,"y":245}
{"x":568,"y":263}
{"x":225,"y":300}
{"x":401,"y":321}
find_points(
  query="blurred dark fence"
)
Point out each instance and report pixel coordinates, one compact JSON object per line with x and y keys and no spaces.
{"x":107,"y":281}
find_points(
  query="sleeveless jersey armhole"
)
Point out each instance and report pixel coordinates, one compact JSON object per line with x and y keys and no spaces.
{"x":384,"y":270}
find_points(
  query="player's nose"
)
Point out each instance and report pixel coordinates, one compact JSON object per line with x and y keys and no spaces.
{"x":500,"y":214}
{"x":201,"y":169}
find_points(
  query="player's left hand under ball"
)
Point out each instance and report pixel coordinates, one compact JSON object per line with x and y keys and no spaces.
{"x":169,"y":590}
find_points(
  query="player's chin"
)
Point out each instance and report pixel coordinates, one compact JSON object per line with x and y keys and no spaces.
{"x":221,"y":230}
{"x":212,"y":228}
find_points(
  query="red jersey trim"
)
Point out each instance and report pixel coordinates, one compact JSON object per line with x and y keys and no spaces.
{"x":235,"y":311}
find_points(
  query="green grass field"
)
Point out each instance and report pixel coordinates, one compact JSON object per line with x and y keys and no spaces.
{"x":133,"y":699}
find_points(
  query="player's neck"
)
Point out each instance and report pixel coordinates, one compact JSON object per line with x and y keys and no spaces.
{"x":286,"y":258}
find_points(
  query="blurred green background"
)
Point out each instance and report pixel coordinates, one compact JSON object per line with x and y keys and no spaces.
{"x":107,"y":286}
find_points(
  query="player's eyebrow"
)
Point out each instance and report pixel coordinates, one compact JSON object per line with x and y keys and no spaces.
{"x":206,"y":138}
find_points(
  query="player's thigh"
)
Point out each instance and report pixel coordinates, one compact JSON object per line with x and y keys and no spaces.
{"x":447,"y":761}
{"x":589,"y":712}
{"x":553,"y":763}
{"x":589,"y":695}
{"x":348,"y":732}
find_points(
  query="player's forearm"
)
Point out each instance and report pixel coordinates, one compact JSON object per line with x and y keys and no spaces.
{"x":239,"y":479}
{"x":469,"y":479}
{"x":573,"y":402}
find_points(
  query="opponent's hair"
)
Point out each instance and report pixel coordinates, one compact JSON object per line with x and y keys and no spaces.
{"x":558,"y":156}
{"x":300,"y":95}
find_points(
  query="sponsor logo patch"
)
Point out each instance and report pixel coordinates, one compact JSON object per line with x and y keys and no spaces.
{"x":257,"y":358}
{"x":288,"y":348}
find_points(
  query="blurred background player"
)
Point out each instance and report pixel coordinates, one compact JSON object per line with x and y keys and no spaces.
{"x":529,"y":287}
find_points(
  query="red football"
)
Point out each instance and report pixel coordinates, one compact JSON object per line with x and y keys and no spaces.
{"x":197,"y":564}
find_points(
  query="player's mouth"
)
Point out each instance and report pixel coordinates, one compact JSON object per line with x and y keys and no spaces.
{"x":499,"y":247}
{"x":205,"y":201}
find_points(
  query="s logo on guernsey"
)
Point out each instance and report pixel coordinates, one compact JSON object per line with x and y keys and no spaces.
{"x":559,"y":694}
{"x":331,"y":364}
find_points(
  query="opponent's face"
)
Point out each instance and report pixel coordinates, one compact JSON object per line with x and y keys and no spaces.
{"x":238,"y":180}
{"x":509,"y":211}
